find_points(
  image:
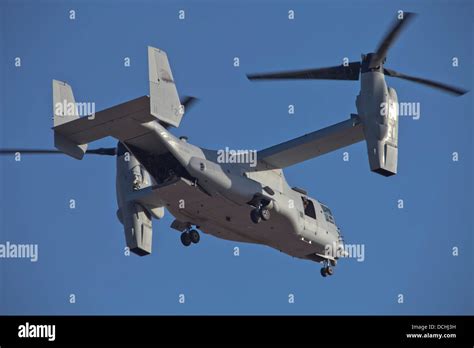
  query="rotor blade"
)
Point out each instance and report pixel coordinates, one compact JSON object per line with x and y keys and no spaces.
{"x":188,"y":102}
{"x":390,"y":38}
{"x":101,"y":151}
{"x":433,"y":84}
{"x":340,"y":72}
{"x":29,"y":151}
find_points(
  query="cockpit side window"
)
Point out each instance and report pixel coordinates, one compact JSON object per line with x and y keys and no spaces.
{"x":328,"y":214}
{"x":308,"y":207}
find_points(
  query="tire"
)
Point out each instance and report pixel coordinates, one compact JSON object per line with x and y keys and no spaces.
{"x":255,"y":216}
{"x":186,"y":239}
{"x":330,"y":271}
{"x":194,"y":236}
{"x":323,"y":272}
{"x":265,"y":214}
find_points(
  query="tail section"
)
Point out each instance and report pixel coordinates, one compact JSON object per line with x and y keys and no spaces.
{"x":64,"y":104}
{"x":65,"y":111}
{"x":126,"y":121}
{"x":164,"y":99}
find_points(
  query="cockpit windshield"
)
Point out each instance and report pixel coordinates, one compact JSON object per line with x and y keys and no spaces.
{"x":328,"y":214}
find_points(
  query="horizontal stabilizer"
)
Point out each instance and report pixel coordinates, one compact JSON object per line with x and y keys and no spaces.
{"x":120,"y":121}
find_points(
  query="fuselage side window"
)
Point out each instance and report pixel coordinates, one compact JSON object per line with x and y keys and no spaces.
{"x":308,"y":207}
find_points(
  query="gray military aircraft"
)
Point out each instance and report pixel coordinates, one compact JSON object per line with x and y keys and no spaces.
{"x":234,"y":199}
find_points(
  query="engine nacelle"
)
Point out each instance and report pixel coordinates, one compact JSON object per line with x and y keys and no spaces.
{"x":135,"y":218}
{"x":379,"y":114}
{"x":137,"y":224}
{"x":383,"y":151}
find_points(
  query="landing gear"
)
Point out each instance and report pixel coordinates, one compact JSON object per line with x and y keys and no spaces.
{"x":265,"y":214}
{"x":190,"y":236}
{"x":186,"y":238}
{"x":323,"y":272}
{"x":327,"y":270}
{"x":261,"y":212}
{"x":195,"y":237}
{"x":255,"y":216}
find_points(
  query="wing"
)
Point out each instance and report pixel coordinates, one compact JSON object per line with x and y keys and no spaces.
{"x":311,"y":145}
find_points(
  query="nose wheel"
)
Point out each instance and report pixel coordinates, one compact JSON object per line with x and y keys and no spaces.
{"x":327,"y":270}
{"x":195,"y":237}
{"x":189,"y":237}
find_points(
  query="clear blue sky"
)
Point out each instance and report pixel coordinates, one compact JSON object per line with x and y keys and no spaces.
{"x":407,"y":251}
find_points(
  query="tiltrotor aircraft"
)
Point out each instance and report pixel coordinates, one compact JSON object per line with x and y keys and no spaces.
{"x":232,"y":199}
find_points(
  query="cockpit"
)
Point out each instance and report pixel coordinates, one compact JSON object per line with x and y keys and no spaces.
{"x":328,"y":214}
{"x":308,"y":206}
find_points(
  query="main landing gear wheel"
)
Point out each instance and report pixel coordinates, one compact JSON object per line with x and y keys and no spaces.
{"x":255,"y":216}
{"x":186,"y":239}
{"x":261,"y":212}
{"x":265,"y":214}
{"x":194,"y":236}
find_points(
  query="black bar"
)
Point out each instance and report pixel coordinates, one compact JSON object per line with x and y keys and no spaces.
{"x":240,"y":329}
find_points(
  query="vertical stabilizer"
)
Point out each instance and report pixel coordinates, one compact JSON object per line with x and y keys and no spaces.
{"x":164,"y":99}
{"x":64,"y":111}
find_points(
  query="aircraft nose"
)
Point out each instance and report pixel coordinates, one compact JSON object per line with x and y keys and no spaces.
{"x":341,"y":250}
